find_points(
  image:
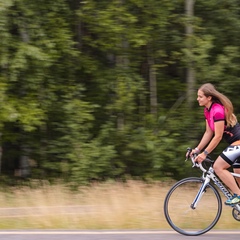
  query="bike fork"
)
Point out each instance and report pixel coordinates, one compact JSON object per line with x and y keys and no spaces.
{"x":200,"y":193}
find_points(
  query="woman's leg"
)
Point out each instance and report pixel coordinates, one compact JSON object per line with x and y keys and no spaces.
{"x":220,"y":167}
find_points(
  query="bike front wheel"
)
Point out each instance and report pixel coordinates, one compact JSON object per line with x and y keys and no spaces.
{"x":184,"y":218}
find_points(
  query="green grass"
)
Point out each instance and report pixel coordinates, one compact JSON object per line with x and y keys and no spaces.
{"x":131,"y":205}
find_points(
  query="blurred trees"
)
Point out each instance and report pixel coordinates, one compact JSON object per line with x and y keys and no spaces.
{"x":96,"y":90}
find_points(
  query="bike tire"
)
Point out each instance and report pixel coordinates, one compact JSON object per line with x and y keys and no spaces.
{"x":182,"y":217}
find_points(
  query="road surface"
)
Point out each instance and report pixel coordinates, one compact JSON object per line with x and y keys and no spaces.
{"x":113,"y":235}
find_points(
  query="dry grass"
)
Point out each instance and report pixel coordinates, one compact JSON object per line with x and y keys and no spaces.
{"x":133,"y":205}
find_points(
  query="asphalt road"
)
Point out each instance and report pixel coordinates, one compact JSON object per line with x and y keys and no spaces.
{"x":114,"y":235}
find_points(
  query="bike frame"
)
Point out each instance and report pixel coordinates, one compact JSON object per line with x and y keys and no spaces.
{"x":209,"y":175}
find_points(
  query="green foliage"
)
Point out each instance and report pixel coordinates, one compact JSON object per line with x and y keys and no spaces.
{"x":75,"y":76}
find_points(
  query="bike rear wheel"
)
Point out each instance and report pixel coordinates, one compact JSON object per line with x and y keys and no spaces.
{"x":182,"y":217}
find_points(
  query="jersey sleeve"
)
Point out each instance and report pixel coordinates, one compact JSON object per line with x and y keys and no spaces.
{"x":218,"y":113}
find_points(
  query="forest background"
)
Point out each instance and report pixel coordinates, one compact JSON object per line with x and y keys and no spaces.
{"x":96,"y":90}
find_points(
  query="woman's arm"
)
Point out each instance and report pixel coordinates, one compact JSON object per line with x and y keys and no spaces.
{"x":207,"y":136}
{"x":219,"y":129}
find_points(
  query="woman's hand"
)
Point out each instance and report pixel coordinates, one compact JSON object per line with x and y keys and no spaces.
{"x":200,"y":158}
{"x":194,"y":151}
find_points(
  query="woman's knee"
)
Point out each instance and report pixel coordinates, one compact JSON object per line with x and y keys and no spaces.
{"x":220,"y":165}
{"x":217,"y":168}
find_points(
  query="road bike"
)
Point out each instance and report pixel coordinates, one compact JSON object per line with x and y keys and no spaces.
{"x":193,"y":205}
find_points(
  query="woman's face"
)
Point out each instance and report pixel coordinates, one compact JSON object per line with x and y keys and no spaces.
{"x":203,"y":100}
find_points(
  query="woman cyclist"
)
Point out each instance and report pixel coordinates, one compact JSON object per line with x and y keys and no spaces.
{"x":220,"y":123}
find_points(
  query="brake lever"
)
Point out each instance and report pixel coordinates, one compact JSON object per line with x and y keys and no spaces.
{"x":189,"y":150}
{"x":195,"y":164}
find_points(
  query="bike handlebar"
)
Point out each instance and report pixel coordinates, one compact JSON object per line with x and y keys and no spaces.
{"x":196,"y":164}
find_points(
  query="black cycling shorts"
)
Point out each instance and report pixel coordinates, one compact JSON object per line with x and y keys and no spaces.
{"x":232,"y":156}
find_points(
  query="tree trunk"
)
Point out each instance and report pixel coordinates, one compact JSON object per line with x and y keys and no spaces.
{"x":122,"y":61}
{"x":190,"y":75}
{"x":152,"y":86}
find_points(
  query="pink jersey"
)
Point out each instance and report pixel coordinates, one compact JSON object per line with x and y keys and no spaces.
{"x":214,"y":113}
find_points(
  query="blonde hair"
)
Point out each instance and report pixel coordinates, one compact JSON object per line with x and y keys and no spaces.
{"x":210,"y":91}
